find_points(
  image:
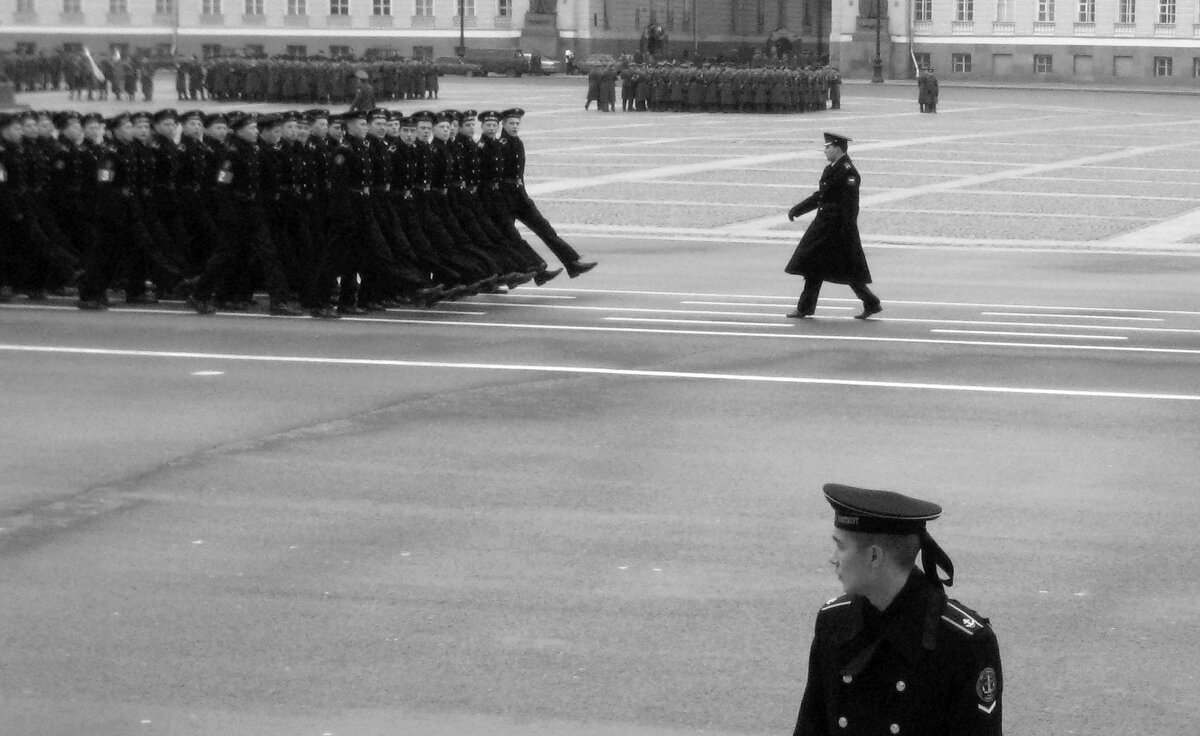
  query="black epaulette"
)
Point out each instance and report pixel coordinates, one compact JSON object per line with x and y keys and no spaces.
{"x":963,"y":619}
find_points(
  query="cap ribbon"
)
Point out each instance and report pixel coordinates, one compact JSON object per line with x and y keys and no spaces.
{"x":932,"y":558}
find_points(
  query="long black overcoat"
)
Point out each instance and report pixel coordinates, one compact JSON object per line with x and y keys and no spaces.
{"x":831,"y":249}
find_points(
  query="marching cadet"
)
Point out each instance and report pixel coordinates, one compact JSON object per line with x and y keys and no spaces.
{"x":196,"y":171}
{"x":120,"y":229}
{"x":73,"y":177}
{"x":243,"y":222}
{"x":831,"y":249}
{"x":283,"y":199}
{"x":517,"y":201}
{"x":509,"y":268}
{"x":318,"y":159}
{"x":489,"y":194}
{"x":526,"y":262}
{"x":164,"y":196}
{"x":354,"y":228}
{"x":374,"y":297}
{"x":895,"y":655}
{"x":37,"y":152}
{"x":29,"y":259}
{"x":434,"y":171}
{"x":451,"y":265}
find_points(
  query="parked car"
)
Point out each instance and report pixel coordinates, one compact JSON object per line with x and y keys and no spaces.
{"x":456,"y":65}
{"x":509,"y":62}
{"x":549,"y":66}
{"x":595,"y":60}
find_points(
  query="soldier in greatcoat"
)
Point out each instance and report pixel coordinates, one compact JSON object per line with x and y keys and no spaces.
{"x":831,"y":249}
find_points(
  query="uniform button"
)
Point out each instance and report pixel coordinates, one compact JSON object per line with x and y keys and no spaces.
{"x":847,"y":679}
{"x":900,"y":686}
{"x":842,"y":721}
{"x":895,"y":728}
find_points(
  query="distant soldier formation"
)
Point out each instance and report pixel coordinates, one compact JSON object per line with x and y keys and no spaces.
{"x":327,"y":214}
{"x":711,"y":87}
{"x":318,"y":80}
{"x":283,"y":79}
{"x":97,"y":78}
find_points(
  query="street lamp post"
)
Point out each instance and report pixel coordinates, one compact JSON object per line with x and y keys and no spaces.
{"x":462,"y":28}
{"x":877,"y":62}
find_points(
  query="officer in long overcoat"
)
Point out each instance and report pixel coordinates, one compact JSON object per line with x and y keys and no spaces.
{"x":831,"y":249}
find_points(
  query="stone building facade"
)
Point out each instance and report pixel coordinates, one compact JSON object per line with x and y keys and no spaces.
{"x":1093,"y":41}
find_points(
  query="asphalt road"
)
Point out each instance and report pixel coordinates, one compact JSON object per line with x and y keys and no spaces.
{"x":594,"y":507}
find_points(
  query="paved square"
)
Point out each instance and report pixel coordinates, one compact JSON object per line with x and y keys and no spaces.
{"x":594,"y":507}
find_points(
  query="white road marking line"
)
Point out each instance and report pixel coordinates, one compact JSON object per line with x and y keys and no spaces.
{"x":592,"y":370}
{"x":1072,"y":316}
{"x":981,"y":322}
{"x":732,"y":323}
{"x":886,"y":301}
{"x":1031,"y":334}
{"x":1172,"y":230}
{"x":208,"y":373}
{"x":746,"y":304}
{"x":436,"y":310}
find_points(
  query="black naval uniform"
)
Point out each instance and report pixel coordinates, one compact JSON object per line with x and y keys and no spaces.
{"x":831,"y":249}
{"x":926,"y":666}
{"x":121,"y":232}
{"x":520,"y":206}
{"x":923,"y":666}
{"x":245,"y":232}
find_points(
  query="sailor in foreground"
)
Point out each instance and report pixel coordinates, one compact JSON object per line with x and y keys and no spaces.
{"x":894,"y":655}
{"x":831,"y":249}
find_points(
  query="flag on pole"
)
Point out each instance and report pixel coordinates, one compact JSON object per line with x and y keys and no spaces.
{"x":99,"y":75}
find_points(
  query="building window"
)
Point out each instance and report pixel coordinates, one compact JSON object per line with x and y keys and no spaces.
{"x":1045,"y":11}
{"x":1196,"y":67}
{"x":923,"y":60}
{"x":72,"y":7}
{"x":254,"y":7}
{"x":923,"y":10}
{"x":339,"y":7}
{"x":297,"y":7}
{"x":210,"y":7}
{"x":423,"y":8}
{"x":254,"y":50}
{"x":1166,"y":12}
{"x":964,"y":10}
{"x":422,"y":52}
{"x":1162,"y":66}
{"x":468,"y":8}
{"x":1004,"y":11}
{"x":117,"y":7}
{"x":1087,"y":11}
{"x":381,"y":7}
{"x":164,"y":7}
{"x":209,"y":50}
{"x":338,"y":52}
{"x":1043,"y":64}
{"x":299,"y":51}
{"x":961,"y":63}
{"x":504,"y":8}
{"x":1125,"y":12}
{"x":25,"y":6}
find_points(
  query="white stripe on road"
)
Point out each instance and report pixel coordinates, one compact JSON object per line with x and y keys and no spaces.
{"x":599,"y":371}
{"x":792,"y":298}
{"x":1071,"y":316}
{"x":1032,"y":334}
